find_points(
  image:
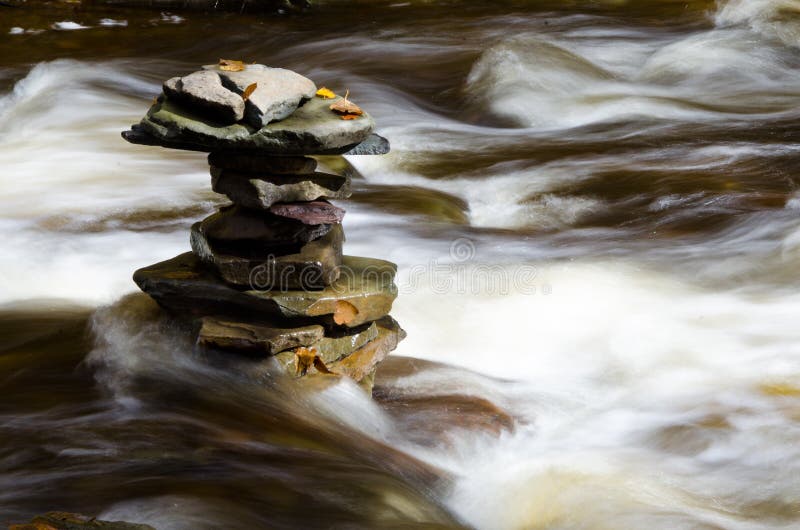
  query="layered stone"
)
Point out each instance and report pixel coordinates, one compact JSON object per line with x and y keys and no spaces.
{"x":263,"y":191}
{"x":258,"y":234}
{"x":204,"y":92}
{"x":364,"y":292}
{"x":255,"y":338}
{"x":362,"y":361}
{"x":277,"y":93}
{"x":312,"y":265}
{"x":311,"y":129}
{"x":260,"y":163}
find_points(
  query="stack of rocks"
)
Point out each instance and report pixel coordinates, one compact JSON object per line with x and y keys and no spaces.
{"x":266,"y":275}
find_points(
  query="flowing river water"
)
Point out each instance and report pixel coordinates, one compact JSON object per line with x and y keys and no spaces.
{"x":594,"y":208}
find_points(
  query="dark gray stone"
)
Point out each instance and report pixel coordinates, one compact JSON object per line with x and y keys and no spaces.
{"x":185,"y":286}
{"x":313,"y":266}
{"x":261,"y":164}
{"x":262,"y":192}
{"x":256,"y":233}
{"x":203,"y":92}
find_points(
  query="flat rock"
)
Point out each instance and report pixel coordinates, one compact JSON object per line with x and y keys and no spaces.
{"x":138,"y":135}
{"x":309,"y":213}
{"x":255,"y":233}
{"x":311,"y":129}
{"x":260,"y":164}
{"x":74,"y":521}
{"x":203,"y":92}
{"x":185,"y":286}
{"x":263,"y":192}
{"x":311,"y":266}
{"x":255,"y":338}
{"x":277,"y":95}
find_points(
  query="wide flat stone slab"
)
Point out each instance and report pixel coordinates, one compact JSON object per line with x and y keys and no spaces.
{"x":373,"y":145}
{"x":364,"y":292}
{"x":311,"y":129}
{"x":313,"y":266}
{"x":227,"y":334}
{"x":277,"y":94}
{"x":263,"y":191}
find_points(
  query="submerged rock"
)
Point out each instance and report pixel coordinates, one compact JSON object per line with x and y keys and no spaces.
{"x":204,"y":92}
{"x":74,"y":521}
{"x":311,"y":129}
{"x":312,"y":265}
{"x":364,"y":291}
{"x":278,"y":92}
{"x":256,"y":338}
{"x":263,"y":192}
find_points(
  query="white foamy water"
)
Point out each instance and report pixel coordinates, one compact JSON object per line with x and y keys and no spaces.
{"x":653,"y":381}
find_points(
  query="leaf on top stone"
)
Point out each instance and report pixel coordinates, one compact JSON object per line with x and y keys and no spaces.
{"x":346,"y":108}
{"x":326,"y":93}
{"x":249,"y":91}
{"x":231,"y":65}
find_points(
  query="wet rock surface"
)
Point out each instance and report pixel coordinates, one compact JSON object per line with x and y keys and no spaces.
{"x":264,"y":191}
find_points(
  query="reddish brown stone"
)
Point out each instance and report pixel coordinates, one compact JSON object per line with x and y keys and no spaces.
{"x":309,"y":213}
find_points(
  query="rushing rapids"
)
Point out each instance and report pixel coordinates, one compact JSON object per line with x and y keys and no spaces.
{"x":593,"y":208}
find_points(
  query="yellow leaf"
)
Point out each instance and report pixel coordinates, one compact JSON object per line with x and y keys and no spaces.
{"x":249,"y":91}
{"x":231,"y":65}
{"x":326,"y":93}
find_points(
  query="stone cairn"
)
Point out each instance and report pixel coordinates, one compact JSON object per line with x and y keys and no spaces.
{"x":266,"y":276}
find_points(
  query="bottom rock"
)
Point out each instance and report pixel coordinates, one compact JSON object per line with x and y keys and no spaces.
{"x":74,"y":521}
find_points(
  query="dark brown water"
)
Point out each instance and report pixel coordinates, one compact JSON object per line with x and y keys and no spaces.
{"x":594,"y":209}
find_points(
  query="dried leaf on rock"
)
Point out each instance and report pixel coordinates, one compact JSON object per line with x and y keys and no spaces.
{"x":326,"y":93}
{"x":305,"y":358}
{"x":231,"y":65}
{"x":249,"y":91}
{"x":346,"y":107}
{"x":344,"y":313}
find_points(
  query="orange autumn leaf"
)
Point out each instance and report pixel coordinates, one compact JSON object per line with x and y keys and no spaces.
{"x":231,"y":65}
{"x":345,"y":107}
{"x":249,"y":91}
{"x":326,"y":93}
{"x":305,"y":358}
{"x":349,"y":116}
{"x":344,"y":313}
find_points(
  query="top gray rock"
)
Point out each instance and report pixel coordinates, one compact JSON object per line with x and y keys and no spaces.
{"x":277,"y":95}
{"x":204,"y":91}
